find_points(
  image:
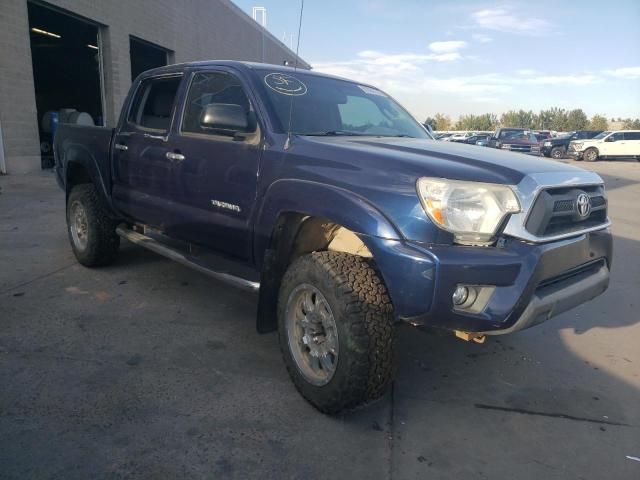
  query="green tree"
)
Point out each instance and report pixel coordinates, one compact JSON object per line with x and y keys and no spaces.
{"x":442,"y":122}
{"x":577,"y":120}
{"x":598,"y":122}
{"x":631,"y":124}
{"x":519,"y":118}
{"x":559,"y":119}
{"x":544,"y":120}
{"x":485,"y":122}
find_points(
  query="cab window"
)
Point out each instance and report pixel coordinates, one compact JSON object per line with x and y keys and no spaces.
{"x":616,"y":137}
{"x":214,"y":88}
{"x":152,"y":106}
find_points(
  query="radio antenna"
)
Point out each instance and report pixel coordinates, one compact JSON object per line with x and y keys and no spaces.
{"x":287,"y":143}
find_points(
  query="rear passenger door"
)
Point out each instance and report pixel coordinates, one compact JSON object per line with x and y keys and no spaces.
{"x":141,"y":170}
{"x":216,"y":176}
{"x":632,"y":144}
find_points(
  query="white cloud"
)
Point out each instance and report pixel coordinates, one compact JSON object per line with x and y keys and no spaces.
{"x":628,"y":73}
{"x":526,"y":71}
{"x":448,"y":46}
{"x":482,"y":38}
{"x":506,"y":20}
{"x":585,"y":79}
{"x":410,"y":77}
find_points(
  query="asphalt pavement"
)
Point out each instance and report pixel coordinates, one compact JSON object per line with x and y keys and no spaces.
{"x":148,"y":370}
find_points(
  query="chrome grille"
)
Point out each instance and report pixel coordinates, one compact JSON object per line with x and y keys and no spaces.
{"x":554,"y":211}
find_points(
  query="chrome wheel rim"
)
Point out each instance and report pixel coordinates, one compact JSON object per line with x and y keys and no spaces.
{"x":312,"y":334}
{"x":591,"y":155}
{"x":556,"y":154}
{"x":79,"y":225}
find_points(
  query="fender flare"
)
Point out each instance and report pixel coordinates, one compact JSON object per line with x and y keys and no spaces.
{"x":294,"y":200}
{"x":75,"y":156}
{"x":318,"y":200}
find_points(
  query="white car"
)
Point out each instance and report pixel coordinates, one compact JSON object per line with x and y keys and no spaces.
{"x":607,"y":145}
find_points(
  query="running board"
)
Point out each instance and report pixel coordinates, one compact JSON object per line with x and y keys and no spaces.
{"x":185,"y":259}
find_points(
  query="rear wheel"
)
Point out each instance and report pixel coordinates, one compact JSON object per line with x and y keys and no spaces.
{"x":590,"y":155}
{"x":557,"y":152}
{"x":335,"y":323}
{"x":92,"y":232}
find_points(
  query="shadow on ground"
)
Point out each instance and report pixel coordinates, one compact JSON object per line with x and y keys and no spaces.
{"x":148,"y":370}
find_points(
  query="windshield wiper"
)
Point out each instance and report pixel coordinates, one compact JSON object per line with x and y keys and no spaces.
{"x":331,"y":133}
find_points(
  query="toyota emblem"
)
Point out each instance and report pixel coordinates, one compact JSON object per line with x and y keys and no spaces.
{"x":584,"y":205}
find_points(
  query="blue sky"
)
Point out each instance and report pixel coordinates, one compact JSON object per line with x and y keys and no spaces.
{"x":459,"y":57}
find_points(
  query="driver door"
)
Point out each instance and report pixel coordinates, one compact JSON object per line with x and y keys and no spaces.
{"x":215,"y":172}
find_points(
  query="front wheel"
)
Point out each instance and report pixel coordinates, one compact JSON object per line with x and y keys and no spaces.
{"x":557,"y":152}
{"x":591,"y":155}
{"x":335,"y":323}
{"x":92,"y":232}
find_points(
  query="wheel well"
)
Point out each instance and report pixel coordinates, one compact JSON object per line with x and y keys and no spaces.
{"x":293,"y":236}
{"x":76,"y":174}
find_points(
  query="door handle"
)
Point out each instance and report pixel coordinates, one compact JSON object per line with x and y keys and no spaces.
{"x":178,"y":157}
{"x":120,"y":146}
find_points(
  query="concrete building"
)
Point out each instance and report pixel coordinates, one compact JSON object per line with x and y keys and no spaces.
{"x":72,"y":56}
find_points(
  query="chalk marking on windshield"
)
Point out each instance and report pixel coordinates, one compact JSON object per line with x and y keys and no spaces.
{"x":285,"y":84}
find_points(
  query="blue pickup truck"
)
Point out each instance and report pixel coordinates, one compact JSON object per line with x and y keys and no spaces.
{"x":327,"y":199}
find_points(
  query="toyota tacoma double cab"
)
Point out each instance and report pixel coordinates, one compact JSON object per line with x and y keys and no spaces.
{"x":338,"y":209}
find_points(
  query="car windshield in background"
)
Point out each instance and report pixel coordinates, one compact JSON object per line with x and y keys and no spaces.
{"x":326,"y":106}
{"x":521,"y":136}
{"x":601,"y":135}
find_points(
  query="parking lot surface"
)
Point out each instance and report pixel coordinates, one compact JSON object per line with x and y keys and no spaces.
{"x":146,"y":369}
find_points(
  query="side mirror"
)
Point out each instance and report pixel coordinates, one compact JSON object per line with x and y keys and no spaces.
{"x":226,"y":117}
{"x":610,"y":139}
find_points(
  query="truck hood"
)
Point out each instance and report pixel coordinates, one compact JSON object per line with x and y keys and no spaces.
{"x":420,"y":157}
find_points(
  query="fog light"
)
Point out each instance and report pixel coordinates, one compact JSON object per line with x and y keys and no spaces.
{"x":460,"y":295}
{"x":472,"y":298}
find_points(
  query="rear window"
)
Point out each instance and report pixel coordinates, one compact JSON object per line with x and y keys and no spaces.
{"x":632,"y":135}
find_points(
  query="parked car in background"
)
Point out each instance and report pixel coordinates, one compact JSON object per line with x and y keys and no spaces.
{"x":557,"y":147}
{"x":523,"y":142}
{"x":460,"y":137}
{"x":443,"y":136}
{"x":483,"y":143}
{"x":607,"y":146}
{"x":542,"y":136}
{"x":473,"y":139}
{"x":501,"y":133}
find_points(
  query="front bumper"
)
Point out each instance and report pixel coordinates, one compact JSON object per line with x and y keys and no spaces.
{"x":574,"y":154}
{"x":533,"y":282}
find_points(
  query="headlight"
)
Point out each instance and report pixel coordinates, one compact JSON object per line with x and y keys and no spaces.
{"x":577,"y":146}
{"x":472,"y":211}
{"x":547,"y":144}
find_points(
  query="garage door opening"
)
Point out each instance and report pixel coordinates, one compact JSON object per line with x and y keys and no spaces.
{"x":66,"y":72}
{"x":145,"y":56}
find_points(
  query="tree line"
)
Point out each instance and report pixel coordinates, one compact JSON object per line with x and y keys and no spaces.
{"x":555,"y":118}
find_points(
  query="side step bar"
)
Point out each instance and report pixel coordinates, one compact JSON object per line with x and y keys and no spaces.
{"x":185,"y":259}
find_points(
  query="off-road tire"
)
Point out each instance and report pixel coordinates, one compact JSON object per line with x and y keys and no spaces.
{"x":364,"y":318}
{"x":102,"y":241}
{"x":590,"y":158}
{"x":557,"y":152}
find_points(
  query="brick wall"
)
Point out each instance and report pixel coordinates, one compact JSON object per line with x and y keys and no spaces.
{"x":192,"y":29}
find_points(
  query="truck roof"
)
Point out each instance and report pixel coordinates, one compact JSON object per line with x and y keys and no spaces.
{"x":179,"y":67}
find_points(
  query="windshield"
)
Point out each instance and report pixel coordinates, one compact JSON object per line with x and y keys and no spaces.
{"x":521,"y":136}
{"x":601,"y":135}
{"x":327,"y":106}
